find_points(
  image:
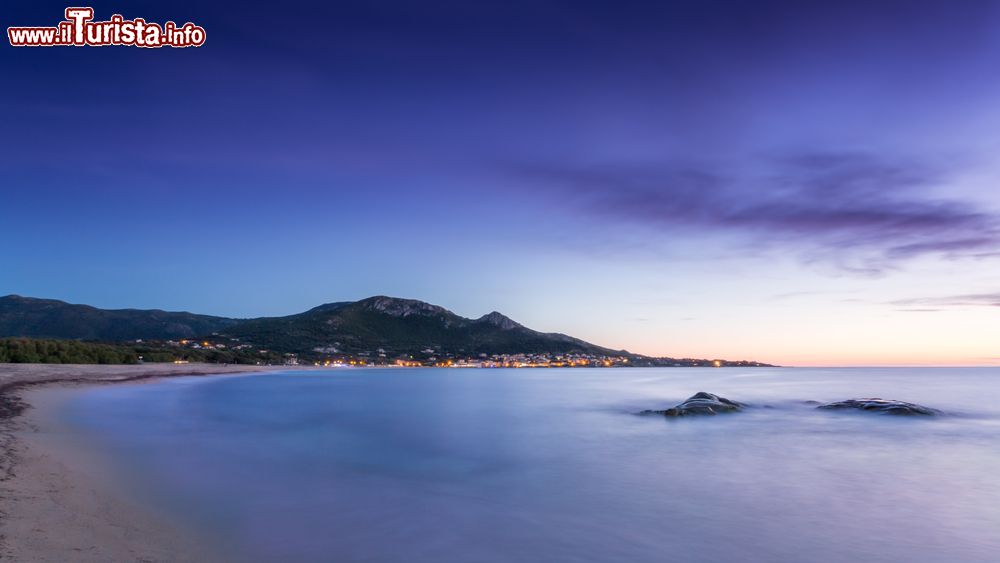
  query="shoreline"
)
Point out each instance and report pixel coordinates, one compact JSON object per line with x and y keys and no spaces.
{"x":59,"y":501}
{"x":15,"y":378}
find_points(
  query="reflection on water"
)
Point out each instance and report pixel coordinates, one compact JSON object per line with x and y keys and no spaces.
{"x":549,"y":465}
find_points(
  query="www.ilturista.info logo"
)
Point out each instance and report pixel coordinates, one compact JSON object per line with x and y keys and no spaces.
{"x":79,"y":29}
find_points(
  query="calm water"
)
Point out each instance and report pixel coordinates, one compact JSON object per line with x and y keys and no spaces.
{"x":549,"y":465}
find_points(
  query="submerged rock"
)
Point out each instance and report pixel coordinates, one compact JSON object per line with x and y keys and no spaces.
{"x":700,"y":403}
{"x":884,"y":406}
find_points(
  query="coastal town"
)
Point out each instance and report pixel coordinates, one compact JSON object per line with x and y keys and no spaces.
{"x":433,"y":357}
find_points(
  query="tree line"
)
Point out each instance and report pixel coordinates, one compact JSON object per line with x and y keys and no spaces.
{"x":47,"y":351}
{"x":35,"y":351}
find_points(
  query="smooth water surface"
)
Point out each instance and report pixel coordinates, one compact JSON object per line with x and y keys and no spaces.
{"x":550,"y":465}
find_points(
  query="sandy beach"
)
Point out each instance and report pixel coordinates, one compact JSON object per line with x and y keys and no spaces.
{"x":58,"y":503}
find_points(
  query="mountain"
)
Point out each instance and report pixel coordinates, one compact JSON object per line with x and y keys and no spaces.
{"x":48,"y":318}
{"x":397,"y":326}
{"x":401,"y":326}
{"x":377,"y":327}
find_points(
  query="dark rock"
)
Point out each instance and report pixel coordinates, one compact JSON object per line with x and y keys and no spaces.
{"x":884,"y":406}
{"x":700,"y":404}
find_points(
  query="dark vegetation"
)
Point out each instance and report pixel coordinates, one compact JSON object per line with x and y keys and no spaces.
{"x":32,"y":351}
{"x":38,"y":351}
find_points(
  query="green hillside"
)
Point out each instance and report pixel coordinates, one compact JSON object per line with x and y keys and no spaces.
{"x":400,"y":327}
{"x":48,"y":318}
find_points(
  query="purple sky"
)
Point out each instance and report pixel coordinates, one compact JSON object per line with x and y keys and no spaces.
{"x":796,"y":182}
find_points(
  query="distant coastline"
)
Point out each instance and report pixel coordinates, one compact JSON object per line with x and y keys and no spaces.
{"x":213,"y":351}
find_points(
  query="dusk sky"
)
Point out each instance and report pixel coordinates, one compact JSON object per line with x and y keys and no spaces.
{"x":807,"y":183}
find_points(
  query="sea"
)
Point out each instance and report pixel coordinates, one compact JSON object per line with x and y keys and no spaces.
{"x":553,"y":465}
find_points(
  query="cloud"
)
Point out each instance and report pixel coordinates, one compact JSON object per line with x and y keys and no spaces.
{"x":968,"y":300}
{"x":861,"y":212}
{"x":810,"y":294}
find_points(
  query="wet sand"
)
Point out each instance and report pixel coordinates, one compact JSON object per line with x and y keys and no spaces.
{"x":57,"y":502}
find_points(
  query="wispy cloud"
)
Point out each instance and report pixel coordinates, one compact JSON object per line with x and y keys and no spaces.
{"x":861,"y":212}
{"x":810,"y":294}
{"x":968,"y":300}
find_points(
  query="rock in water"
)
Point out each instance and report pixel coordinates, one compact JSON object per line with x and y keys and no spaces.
{"x":701,"y":403}
{"x":884,"y":406}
